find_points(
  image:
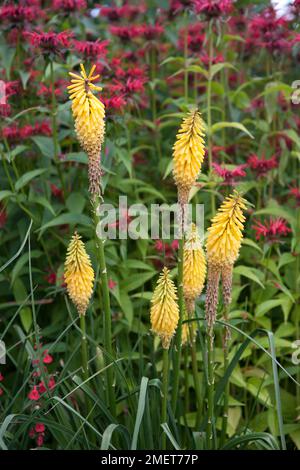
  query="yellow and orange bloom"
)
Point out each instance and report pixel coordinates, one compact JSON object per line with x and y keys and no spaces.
{"x":164,"y":314}
{"x":225,"y":233}
{"x":194,"y":267}
{"x":222,"y":246}
{"x":89,"y":113}
{"x":188,"y":154}
{"x":79,"y":274}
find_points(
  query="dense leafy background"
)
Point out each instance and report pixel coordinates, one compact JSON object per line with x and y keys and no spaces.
{"x":43,"y":194}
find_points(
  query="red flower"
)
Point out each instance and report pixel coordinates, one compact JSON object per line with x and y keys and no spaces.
{"x":51,"y":383}
{"x":126,"y":11}
{"x":56,"y":191}
{"x":111,"y":284}
{"x":50,"y":43}
{"x":229,"y":175}
{"x":271,"y":230}
{"x":114,"y":102}
{"x":204,"y":57}
{"x":91,"y":49}
{"x":268,"y":31}
{"x":12,"y":88}
{"x":214,"y":8}
{"x":175,"y":245}
{"x":17,"y":14}
{"x":47,"y":359}
{"x":256,"y":103}
{"x":261,"y":166}
{"x":40,"y":440}
{"x":34,"y":394}
{"x":1,"y":377}
{"x":195,"y":37}
{"x":14,"y":133}
{"x":39,"y":427}
{"x":3,"y":217}
{"x":150,"y":31}
{"x":69,"y":5}
{"x":5,"y":110}
{"x":159,"y":245}
{"x":295,"y":193}
{"x":42,"y":388}
{"x":179,"y":5}
{"x":125,"y":33}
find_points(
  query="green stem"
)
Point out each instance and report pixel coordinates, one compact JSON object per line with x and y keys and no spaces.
{"x":196,"y":381}
{"x":210,"y":398}
{"x":209,"y":119}
{"x":84,"y":353}
{"x":177,"y":352}
{"x":186,"y":73}
{"x":227,"y":387}
{"x":165,"y":382}
{"x":54,"y":131}
{"x":106,"y":307}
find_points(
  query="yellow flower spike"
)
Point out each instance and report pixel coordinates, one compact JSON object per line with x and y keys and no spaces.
{"x":225,"y":233}
{"x":164,"y":314}
{"x":222,"y":246}
{"x":79,"y":274}
{"x":188,"y":154}
{"x":89,"y":113}
{"x":194,"y":268}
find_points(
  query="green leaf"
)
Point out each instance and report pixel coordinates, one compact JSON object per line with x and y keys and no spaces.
{"x":252,"y":244}
{"x":75,"y":203}
{"x":216,"y":68}
{"x":45,"y":144}
{"x":5,"y":193}
{"x":27,"y":177}
{"x":79,"y":157}
{"x":21,"y":262}
{"x":266,"y":306}
{"x":135,"y":281}
{"x":127,"y":307}
{"x":67,"y":218}
{"x":236,"y":125}
{"x":250,"y":273}
{"x":140,"y":412}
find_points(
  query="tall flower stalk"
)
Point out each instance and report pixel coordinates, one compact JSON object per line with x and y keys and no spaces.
{"x":209,"y":119}
{"x":89,"y":114}
{"x":188,"y":155}
{"x":222,"y":246}
{"x":54,"y":130}
{"x":194,"y":272}
{"x":164,"y":316}
{"x":79,"y":278}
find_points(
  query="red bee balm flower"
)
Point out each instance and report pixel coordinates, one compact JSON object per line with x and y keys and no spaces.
{"x":50,"y":43}
{"x":213,"y":8}
{"x":261,"y":166}
{"x":34,"y":395}
{"x":3,"y":218}
{"x":17,"y":14}
{"x":69,"y":5}
{"x":294,"y":192}
{"x":91,"y":49}
{"x":229,"y":174}
{"x":272,"y":230}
